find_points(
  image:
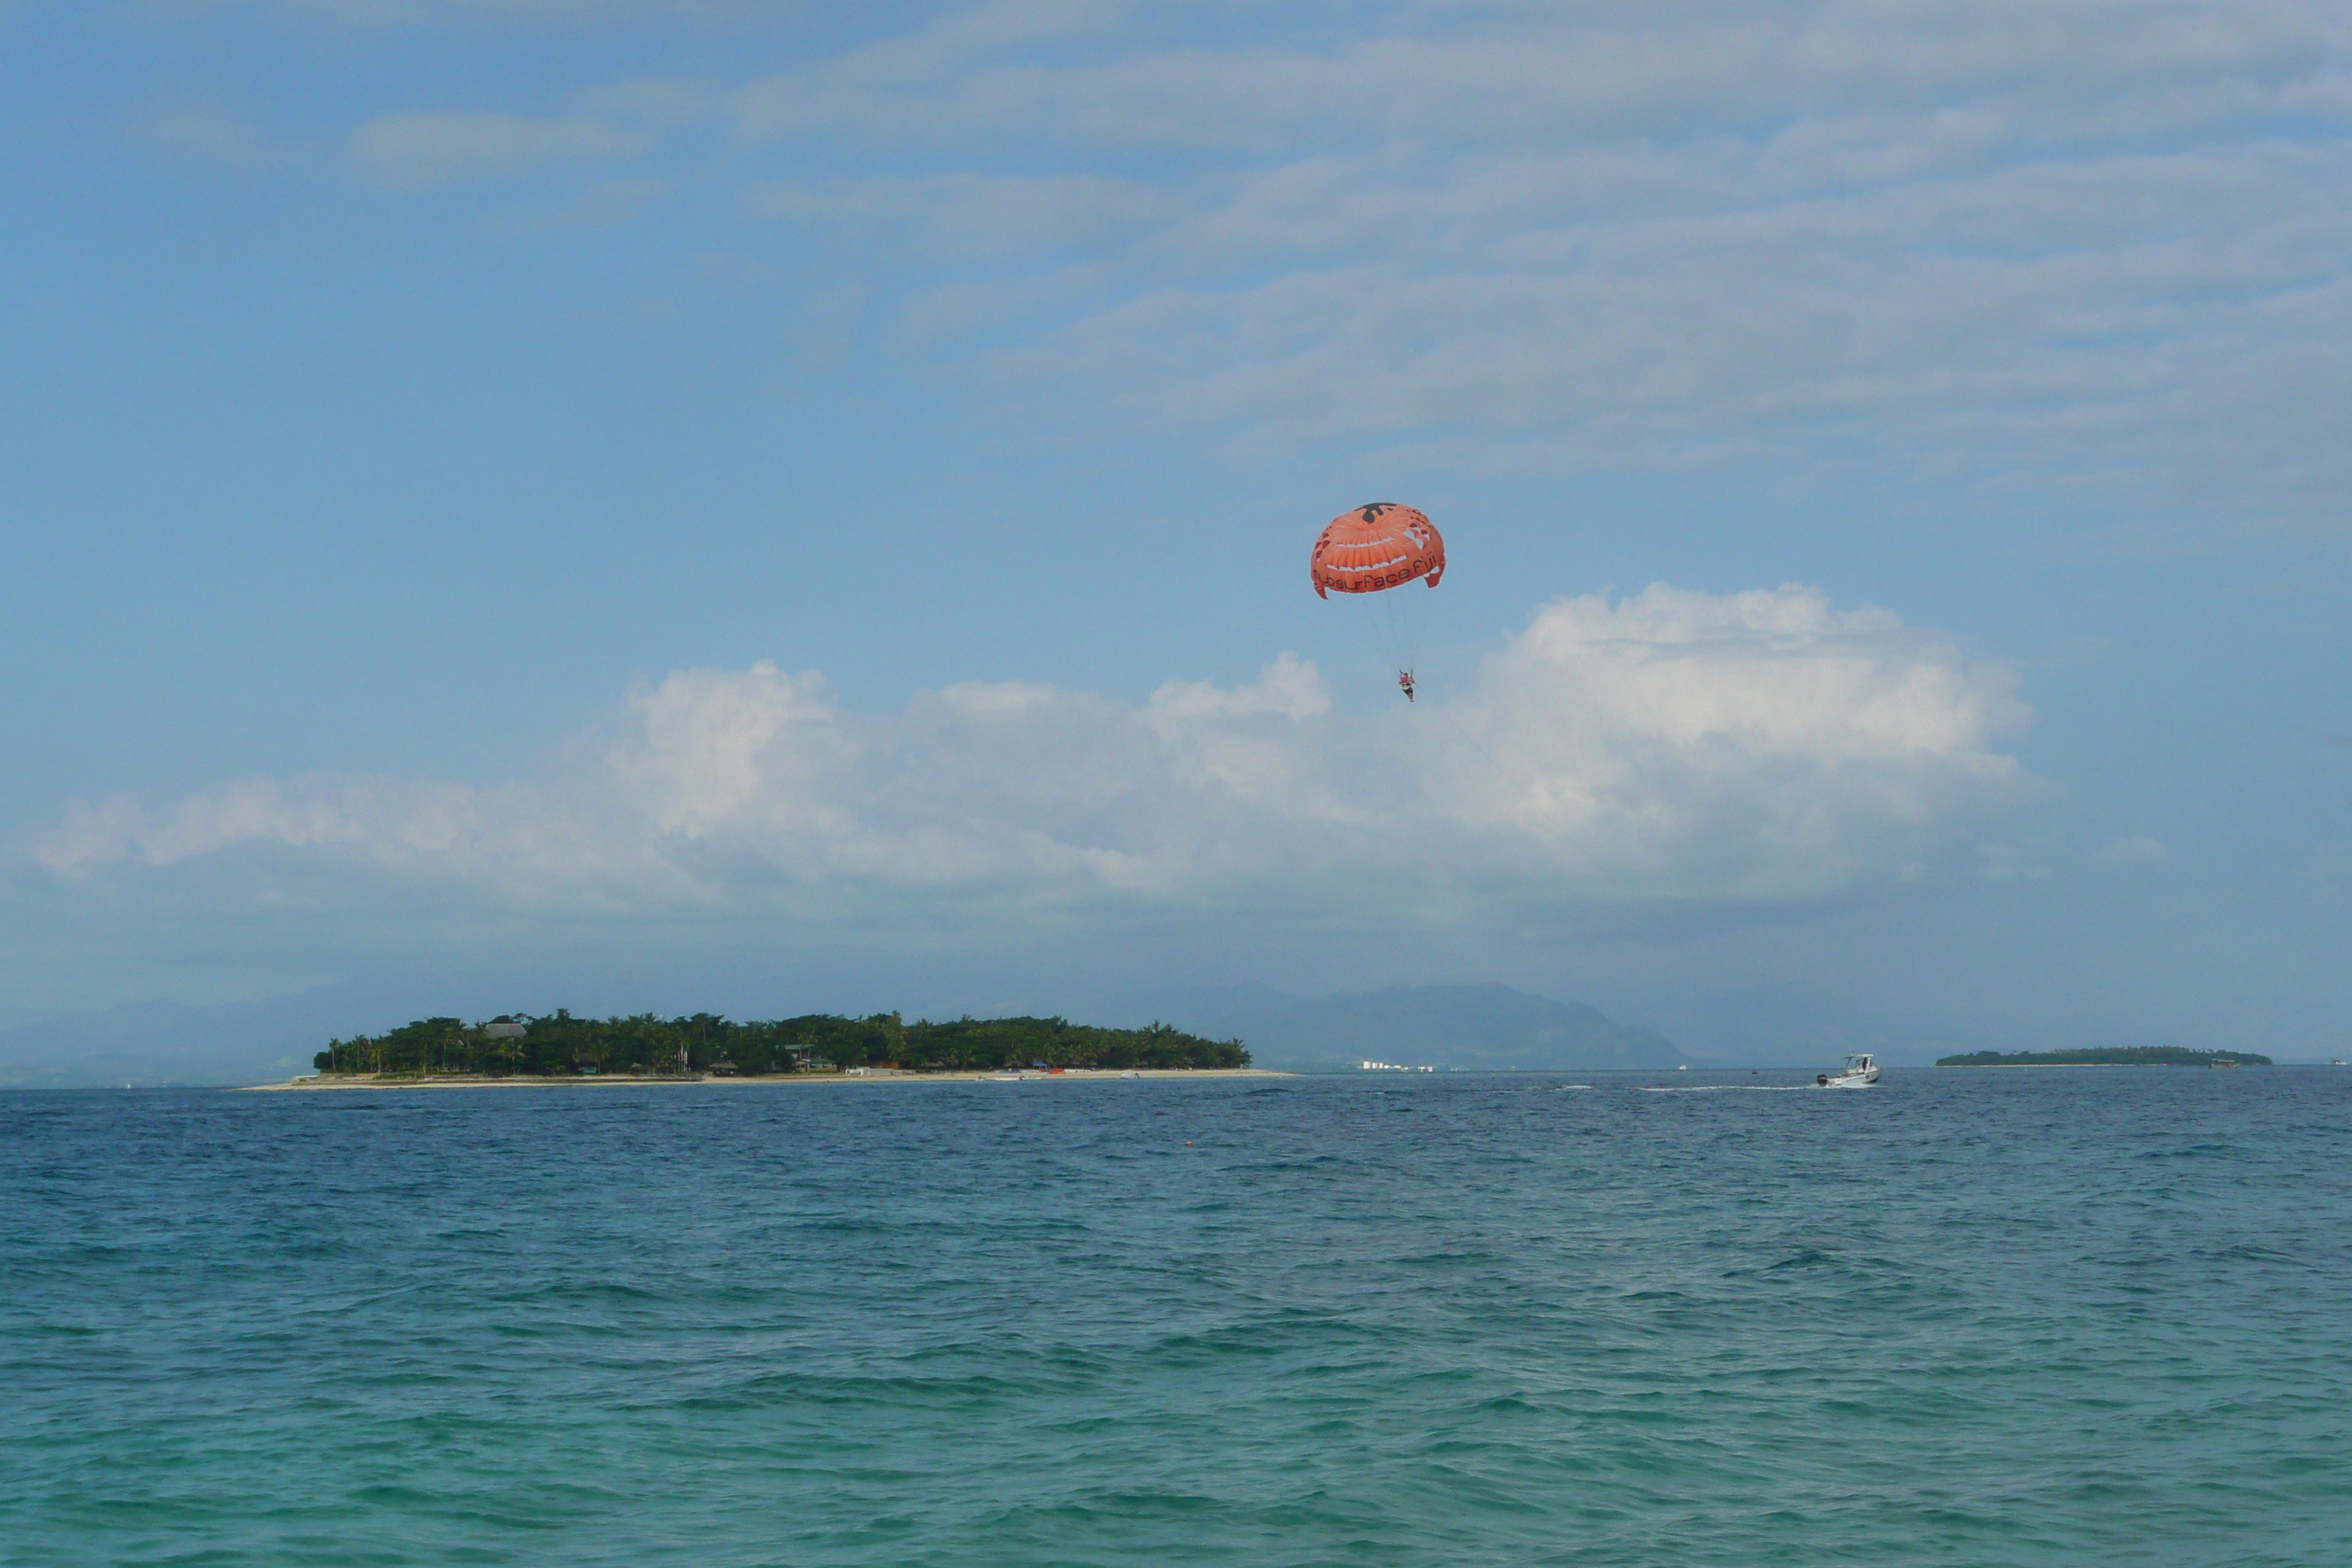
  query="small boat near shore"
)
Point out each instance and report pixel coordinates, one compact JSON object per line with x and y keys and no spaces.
{"x":1860,"y":1070}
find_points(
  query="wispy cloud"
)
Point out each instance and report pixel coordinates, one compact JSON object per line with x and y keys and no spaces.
{"x":2100,"y":244}
{"x":411,"y":151}
{"x":652,"y":100}
{"x":2137,"y":849}
{"x":497,"y":13}
{"x":606,"y":205}
{"x":208,"y":135}
{"x":963,"y":214}
{"x":2096,"y":247}
{"x":1676,"y":746}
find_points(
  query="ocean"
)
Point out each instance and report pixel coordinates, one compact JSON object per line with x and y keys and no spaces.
{"x":1984,"y":1317}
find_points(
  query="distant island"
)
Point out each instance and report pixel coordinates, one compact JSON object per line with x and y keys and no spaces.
{"x":558,"y":1045}
{"x":2107,"y":1055}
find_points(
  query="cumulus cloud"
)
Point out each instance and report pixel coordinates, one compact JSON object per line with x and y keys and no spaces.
{"x":1672,"y":745}
{"x":413,"y":151}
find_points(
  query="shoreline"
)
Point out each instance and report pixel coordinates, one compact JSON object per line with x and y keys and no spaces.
{"x":324,"y":1083}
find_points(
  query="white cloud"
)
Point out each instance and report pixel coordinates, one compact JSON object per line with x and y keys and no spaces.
{"x":416,"y":150}
{"x":1166,"y":77}
{"x":447,"y":12}
{"x":2138,"y":849}
{"x":1672,"y":745}
{"x":1998,"y":862}
{"x":2102,"y":246}
{"x":970,"y":214}
{"x":2104,"y":243}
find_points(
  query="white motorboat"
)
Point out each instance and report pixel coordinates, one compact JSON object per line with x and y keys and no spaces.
{"x":1861,"y":1071}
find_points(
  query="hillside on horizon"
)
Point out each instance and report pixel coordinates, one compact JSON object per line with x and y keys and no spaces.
{"x":1484,"y":1028}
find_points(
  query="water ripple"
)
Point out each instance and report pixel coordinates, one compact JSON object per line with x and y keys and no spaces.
{"x":1965,"y":1318}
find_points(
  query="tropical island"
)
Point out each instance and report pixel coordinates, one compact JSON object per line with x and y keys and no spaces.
{"x":2108,"y":1057}
{"x":557,"y":1045}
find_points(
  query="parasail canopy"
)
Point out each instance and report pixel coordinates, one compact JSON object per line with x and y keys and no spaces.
{"x":1382,"y":545}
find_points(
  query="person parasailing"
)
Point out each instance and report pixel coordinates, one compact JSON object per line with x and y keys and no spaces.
{"x":1372,"y":550}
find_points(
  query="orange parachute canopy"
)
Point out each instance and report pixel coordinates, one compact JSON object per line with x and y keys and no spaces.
{"x":1382,"y":545}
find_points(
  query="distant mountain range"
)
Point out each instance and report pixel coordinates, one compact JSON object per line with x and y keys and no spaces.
{"x":1476,"y":1028}
{"x":1775,"y":1025}
{"x":154,"y":1043}
{"x":1451,"y":1026}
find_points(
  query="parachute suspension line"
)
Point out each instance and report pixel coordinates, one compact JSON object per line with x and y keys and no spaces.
{"x":1473,"y":742}
{"x":1405,"y":630}
{"x":1382,"y":551}
{"x":1386,"y":634}
{"x":1390,"y":555}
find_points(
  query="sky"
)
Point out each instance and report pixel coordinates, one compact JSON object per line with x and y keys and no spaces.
{"x":775,"y":506}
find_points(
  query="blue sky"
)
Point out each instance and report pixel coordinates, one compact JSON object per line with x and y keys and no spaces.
{"x":786,"y":505}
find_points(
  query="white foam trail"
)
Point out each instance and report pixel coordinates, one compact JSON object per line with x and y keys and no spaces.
{"x":1726,"y":1088}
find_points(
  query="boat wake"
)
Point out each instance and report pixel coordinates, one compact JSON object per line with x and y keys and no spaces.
{"x":1723,"y":1089}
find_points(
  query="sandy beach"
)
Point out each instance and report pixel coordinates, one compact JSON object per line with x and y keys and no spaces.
{"x":324,"y":1081}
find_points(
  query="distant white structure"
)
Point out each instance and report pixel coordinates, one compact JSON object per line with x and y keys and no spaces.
{"x":1393,"y":1067}
{"x":502,"y":1031}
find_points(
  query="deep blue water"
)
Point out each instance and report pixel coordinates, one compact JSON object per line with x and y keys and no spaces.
{"x":1967,"y":1318}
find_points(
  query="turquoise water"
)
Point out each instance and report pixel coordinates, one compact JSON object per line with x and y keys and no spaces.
{"x":1967,"y":1318}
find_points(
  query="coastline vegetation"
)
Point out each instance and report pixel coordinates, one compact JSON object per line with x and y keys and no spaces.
{"x":558,"y":1045}
{"x":2106,"y":1056}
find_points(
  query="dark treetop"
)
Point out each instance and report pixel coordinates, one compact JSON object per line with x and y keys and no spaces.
{"x":521,"y":1044}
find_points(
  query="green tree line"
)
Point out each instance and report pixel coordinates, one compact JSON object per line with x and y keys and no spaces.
{"x":522,"y":1045}
{"x":2106,"y":1056}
